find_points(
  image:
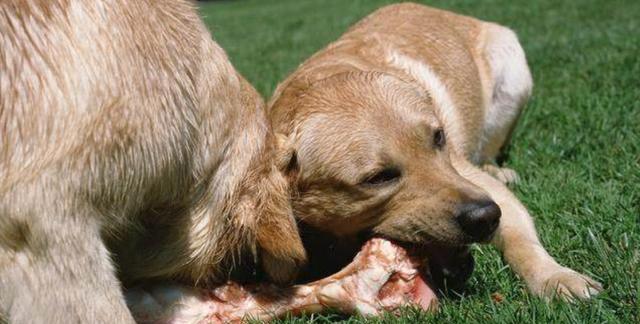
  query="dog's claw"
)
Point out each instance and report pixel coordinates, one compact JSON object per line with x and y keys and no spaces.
{"x":570,"y":285}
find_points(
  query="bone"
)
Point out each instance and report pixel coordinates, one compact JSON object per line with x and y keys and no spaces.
{"x":382,"y":277}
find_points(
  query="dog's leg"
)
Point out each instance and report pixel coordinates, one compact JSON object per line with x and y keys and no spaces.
{"x":508,"y":80}
{"x":518,"y":240}
{"x":54,"y":268}
{"x":511,"y":86}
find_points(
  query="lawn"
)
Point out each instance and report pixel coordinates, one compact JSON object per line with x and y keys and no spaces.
{"x":577,"y":147}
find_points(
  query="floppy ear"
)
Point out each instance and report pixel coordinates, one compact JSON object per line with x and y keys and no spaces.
{"x":281,"y":251}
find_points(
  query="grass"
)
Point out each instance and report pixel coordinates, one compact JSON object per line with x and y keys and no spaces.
{"x":577,"y":147}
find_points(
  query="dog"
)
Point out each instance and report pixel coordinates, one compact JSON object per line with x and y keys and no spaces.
{"x":394,"y":129}
{"x":130,"y":150}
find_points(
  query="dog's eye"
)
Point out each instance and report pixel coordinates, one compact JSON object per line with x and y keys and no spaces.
{"x":384,"y":176}
{"x":439,"y":140}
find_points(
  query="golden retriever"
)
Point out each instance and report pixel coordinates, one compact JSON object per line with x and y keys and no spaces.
{"x":394,"y":129}
{"x":130,"y":149}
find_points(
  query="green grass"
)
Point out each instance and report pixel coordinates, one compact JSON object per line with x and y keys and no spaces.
{"x":577,"y":147}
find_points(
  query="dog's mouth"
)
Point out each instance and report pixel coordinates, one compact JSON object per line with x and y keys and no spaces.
{"x":383,"y":275}
{"x":439,"y":269}
{"x":443,"y":268}
{"x":419,"y":273}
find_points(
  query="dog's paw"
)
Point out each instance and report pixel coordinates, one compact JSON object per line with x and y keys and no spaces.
{"x":569,"y":285}
{"x":504,"y":175}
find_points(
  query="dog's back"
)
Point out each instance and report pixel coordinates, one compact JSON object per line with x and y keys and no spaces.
{"x":60,"y":101}
{"x":463,"y":61}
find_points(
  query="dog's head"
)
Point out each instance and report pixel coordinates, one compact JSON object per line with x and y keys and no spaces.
{"x":366,"y":151}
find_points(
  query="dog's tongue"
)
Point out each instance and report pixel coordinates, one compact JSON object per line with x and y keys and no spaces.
{"x":382,"y":277}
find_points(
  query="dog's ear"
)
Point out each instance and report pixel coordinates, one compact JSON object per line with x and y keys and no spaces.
{"x":280,"y":246}
{"x":287,"y":158}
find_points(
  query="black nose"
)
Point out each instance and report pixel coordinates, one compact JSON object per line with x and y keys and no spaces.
{"x":479,"y":219}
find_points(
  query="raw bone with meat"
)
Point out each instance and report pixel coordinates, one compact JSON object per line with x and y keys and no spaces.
{"x":382,"y":277}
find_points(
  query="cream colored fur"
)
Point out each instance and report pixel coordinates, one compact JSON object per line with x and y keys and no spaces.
{"x":375,"y":98}
{"x":130,"y":149}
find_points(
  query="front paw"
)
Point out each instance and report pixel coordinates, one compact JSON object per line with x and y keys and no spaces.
{"x":568,"y":285}
{"x":504,"y":175}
